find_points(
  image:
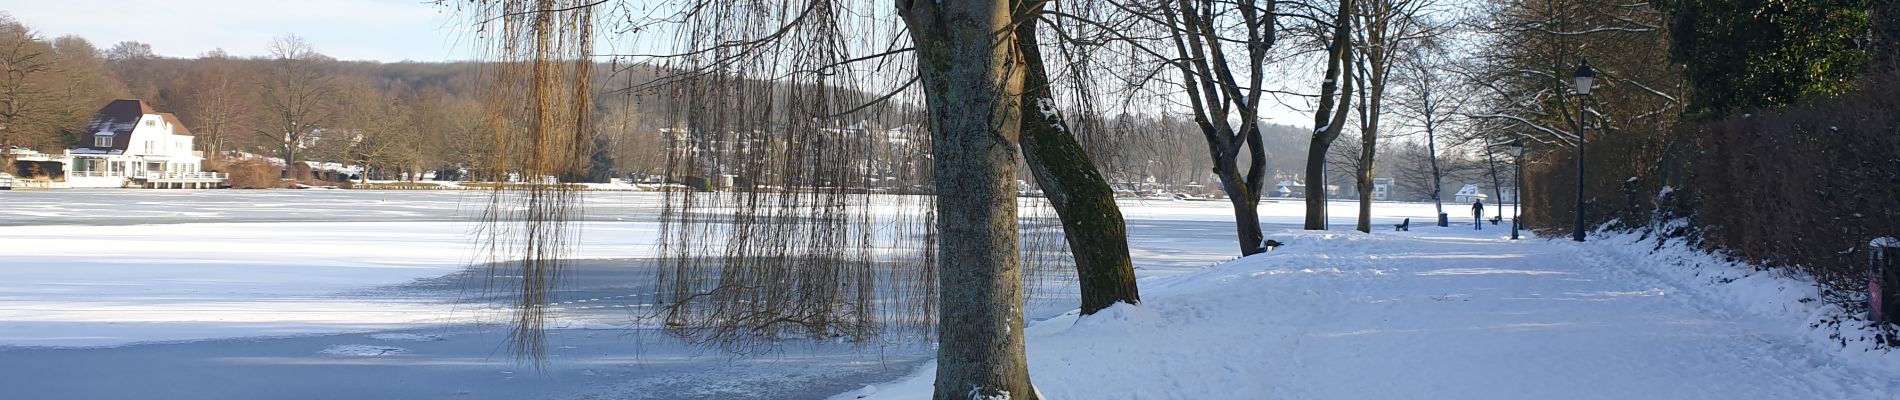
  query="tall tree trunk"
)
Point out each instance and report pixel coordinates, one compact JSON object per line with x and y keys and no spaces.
{"x":1328,"y":126}
{"x":290,"y":154}
{"x":1247,"y":224}
{"x":1245,"y":195}
{"x":1316,"y":182}
{"x":1369,"y":137}
{"x":1497,"y":184}
{"x":1431,"y":146}
{"x":1246,"y":202}
{"x":1091,"y":221}
{"x":1364,"y":175}
{"x":6,"y":146}
{"x":970,"y":71}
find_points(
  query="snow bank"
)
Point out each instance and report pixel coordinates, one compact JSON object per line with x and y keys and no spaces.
{"x":1788,"y":296}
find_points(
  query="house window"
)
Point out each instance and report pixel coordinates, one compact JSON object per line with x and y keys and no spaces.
{"x":151,"y":147}
{"x":102,"y":141}
{"x":151,"y":122}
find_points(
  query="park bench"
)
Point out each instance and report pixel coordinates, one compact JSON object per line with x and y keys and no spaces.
{"x":1403,"y":226}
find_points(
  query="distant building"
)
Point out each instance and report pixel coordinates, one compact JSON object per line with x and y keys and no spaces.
{"x":1381,"y":188}
{"x":130,"y":144}
{"x":1469,"y":193}
{"x":1289,"y":189}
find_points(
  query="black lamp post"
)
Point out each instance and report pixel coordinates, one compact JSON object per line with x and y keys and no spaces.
{"x":1517,"y":207}
{"x":1585,"y":75}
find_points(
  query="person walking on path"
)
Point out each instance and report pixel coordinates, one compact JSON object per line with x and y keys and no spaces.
{"x":1477,"y":214}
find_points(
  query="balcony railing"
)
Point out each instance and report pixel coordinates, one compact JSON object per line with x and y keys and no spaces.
{"x":164,"y":176}
{"x":185,"y":176}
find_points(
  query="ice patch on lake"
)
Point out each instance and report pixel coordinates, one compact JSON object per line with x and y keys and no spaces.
{"x":407,"y":337}
{"x":362,"y":350}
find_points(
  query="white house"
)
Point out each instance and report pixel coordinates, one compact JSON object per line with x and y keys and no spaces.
{"x":1469,"y":193}
{"x":1381,"y":189}
{"x":133,"y":145}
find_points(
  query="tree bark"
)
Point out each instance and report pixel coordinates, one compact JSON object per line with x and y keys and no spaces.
{"x":1328,"y":127}
{"x":1431,"y":145}
{"x":1091,"y":221}
{"x":1369,"y":136}
{"x":1497,"y":183}
{"x":969,"y":69}
{"x":1365,"y":175}
{"x":1244,"y":194}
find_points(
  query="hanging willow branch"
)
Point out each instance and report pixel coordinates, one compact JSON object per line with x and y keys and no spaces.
{"x":804,"y":204}
{"x":538,"y":111}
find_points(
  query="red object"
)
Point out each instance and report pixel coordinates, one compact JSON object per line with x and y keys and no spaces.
{"x":1873,"y":288}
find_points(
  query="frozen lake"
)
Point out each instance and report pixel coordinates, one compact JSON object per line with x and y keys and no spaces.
{"x":288,"y":293}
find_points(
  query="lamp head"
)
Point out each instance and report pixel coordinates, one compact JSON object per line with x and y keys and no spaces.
{"x":1585,"y":76}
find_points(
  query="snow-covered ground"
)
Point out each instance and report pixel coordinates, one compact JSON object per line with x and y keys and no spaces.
{"x":367,"y":294}
{"x":1452,"y":313}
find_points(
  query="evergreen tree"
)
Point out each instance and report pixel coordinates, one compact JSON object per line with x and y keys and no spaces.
{"x":1740,"y":54}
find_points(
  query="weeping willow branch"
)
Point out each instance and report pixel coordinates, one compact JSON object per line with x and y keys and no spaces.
{"x":805,"y":205}
{"x":537,"y":116}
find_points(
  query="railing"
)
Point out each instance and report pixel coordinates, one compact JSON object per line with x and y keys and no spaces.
{"x":31,"y":185}
{"x":186,"y":176}
{"x":167,"y":176}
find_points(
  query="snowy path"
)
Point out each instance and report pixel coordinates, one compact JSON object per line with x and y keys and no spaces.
{"x":1432,"y":314}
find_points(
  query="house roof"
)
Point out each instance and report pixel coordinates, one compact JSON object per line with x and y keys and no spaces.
{"x":178,"y":128}
{"x":119,"y":118}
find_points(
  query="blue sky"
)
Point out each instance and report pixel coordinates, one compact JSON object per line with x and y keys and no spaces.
{"x":381,"y":30}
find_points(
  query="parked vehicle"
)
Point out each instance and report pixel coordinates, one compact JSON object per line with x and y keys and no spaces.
{"x":6,"y":181}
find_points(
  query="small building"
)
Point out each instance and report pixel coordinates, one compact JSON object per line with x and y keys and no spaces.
{"x":1289,"y":189}
{"x":1381,"y":189}
{"x":130,"y":144}
{"x":1469,"y":193}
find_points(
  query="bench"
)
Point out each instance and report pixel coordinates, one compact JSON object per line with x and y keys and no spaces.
{"x":1496,"y":220}
{"x":1403,"y":226}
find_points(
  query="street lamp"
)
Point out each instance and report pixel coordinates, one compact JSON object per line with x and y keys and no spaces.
{"x":1585,"y":75}
{"x":1517,"y":207}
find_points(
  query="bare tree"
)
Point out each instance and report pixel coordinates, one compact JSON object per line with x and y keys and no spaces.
{"x":219,"y":104}
{"x":1387,"y":31}
{"x":375,"y":124}
{"x":78,"y":84}
{"x":132,"y":62}
{"x":1226,"y":103}
{"x":1428,"y":101}
{"x":1330,"y":118}
{"x":24,"y":58}
{"x":739,"y":121}
{"x":1521,"y":71}
{"x":296,"y":95}
{"x":1083,"y":200}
